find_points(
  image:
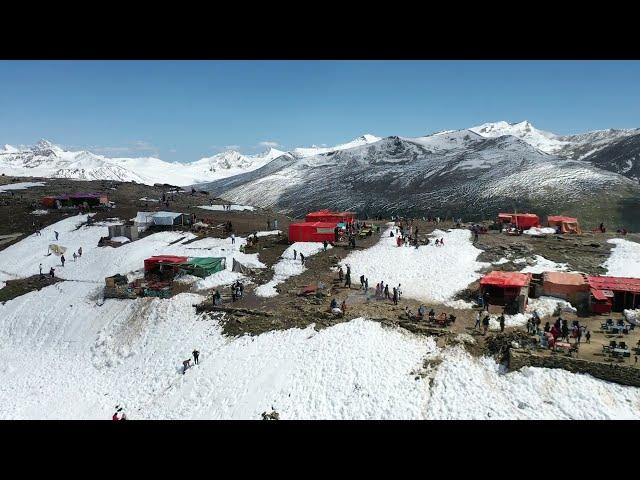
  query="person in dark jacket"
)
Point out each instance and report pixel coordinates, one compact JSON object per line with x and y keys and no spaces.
{"x":485,"y":324}
{"x":62,"y":259}
{"x":395,"y":296}
{"x":301,"y":258}
{"x":52,"y":272}
{"x":324,"y":245}
{"x":195,"y":354}
{"x":501,"y":320}
{"x":347,"y":280}
{"x":295,"y":254}
{"x":486,"y":301}
{"x":334,"y":304}
{"x":386,"y":291}
{"x":361,"y":282}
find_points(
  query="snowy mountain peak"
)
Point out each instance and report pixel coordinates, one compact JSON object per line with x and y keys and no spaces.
{"x":9,"y":149}
{"x":544,"y":141}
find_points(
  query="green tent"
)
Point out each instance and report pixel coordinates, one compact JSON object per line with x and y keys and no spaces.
{"x":204,"y":266}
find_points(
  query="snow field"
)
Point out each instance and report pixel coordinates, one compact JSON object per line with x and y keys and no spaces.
{"x":20,"y":186}
{"x":221,"y":208}
{"x":624,"y":260}
{"x":429,"y":273}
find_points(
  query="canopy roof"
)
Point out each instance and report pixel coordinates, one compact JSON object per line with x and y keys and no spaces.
{"x":616,"y":284}
{"x":331,"y":225}
{"x":560,"y":218}
{"x":565,"y":278}
{"x":506,"y":279}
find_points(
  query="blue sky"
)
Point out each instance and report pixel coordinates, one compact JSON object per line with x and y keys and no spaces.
{"x":185,"y":110}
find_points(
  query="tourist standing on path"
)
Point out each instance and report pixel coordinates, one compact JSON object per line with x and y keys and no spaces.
{"x":41,"y":270}
{"x":386,"y":291}
{"x":62,"y":259}
{"x":395,"y":296}
{"x":485,"y":324}
{"x":324,"y":245}
{"x":588,"y":336}
{"x":477,"y":324}
{"x":302,"y":258}
{"x":361,"y":282}
{"x":196,"y":354}
{"x":52,"y":272}
{"x":366,"y":285}
{"x":502,"y":322}
{"x":347,"y":280}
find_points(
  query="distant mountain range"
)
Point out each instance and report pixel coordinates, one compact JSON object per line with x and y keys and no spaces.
{"x":472,"y":172}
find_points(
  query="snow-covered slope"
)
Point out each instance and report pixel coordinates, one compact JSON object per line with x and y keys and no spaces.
{"x":459,"y":172}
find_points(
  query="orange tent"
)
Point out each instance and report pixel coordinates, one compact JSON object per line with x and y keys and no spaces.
{"x":566,"y":224}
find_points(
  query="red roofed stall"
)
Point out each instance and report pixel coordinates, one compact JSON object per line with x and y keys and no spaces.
{"x":613,"y":293}
{"x":312,"y":232}
{"x":329,"y":216}
{"x":520,"y":220}
{"x":510,"y":289}
{"x":161,"y":264}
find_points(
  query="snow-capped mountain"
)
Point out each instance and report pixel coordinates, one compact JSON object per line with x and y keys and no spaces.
{"x":459,"y":172}
{"x":544,"y":141}
{"x":45,"y":159}
{"x":616,"y":150}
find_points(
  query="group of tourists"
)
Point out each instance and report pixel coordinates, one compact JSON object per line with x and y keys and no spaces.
{"x":383,"y":292}
{"x":237,"y":289}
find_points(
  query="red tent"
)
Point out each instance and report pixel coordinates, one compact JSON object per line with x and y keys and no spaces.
{"x":521,"y":220}
{"x":155,"y":261}
{"x":506,"y":279}
{"x":329,"y":216}
{"x":312,"y":232}
{"x":566,"y":224}
{"x":506,"y":288}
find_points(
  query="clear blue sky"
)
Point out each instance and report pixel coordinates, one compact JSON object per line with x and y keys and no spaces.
{"x":185,"y":110}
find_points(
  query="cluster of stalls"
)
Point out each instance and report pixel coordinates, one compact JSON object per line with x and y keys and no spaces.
{"x":159,"y":273}
{"x":75,"y":200}
{"x":524,"y":221}
{"x":595,"y":294}
{"x":320,"y":226}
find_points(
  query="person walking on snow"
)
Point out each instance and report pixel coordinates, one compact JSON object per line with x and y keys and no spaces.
{"x":302,"y":258}
{"x":186,"y":364}
{"x":196,"y":354}
{"x":233,"y":239}
{"x":80,"y":251}
{"x":52,"y":272}
{"x":41,"y":270}
{"x":361,"y":282}
{"x":75,"y":256}
{"x":347,"y":280}
{"x":56,"y":233}
{"x":295,"y":254}
{"x":62,"y":259}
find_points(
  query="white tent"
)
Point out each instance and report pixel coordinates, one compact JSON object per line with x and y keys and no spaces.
{"x":165,"y":218}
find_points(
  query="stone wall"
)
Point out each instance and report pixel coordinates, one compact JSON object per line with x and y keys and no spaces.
{"x":611,"y":372}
